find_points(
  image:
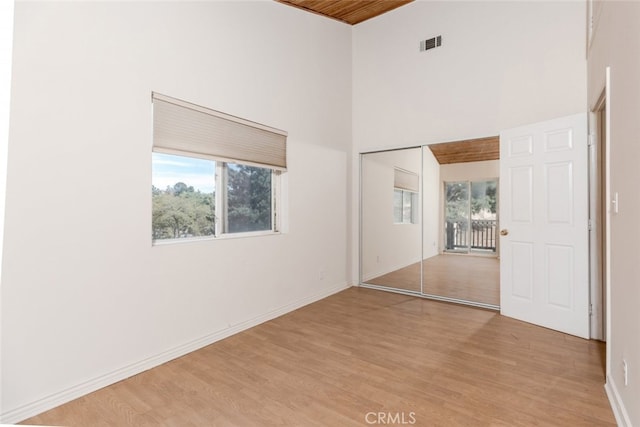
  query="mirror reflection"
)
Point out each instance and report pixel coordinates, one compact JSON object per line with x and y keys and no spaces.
{"x":391,"y":243}
{"x":429,"y":226}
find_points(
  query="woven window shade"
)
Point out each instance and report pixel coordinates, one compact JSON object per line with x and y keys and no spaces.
{"x":406,"y":180}
{"x":184,"y":128}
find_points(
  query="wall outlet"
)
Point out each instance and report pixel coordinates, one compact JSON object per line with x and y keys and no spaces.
{"x":625,"y":372}
{"x":321,"y":274}
{"x":378,"y":259}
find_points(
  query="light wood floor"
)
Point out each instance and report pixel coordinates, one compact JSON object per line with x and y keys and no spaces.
{"x":361,"y":351}
{"x":465,"y":277}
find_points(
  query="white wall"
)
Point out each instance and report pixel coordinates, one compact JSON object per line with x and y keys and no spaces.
{"x":386,"y":246}
{"x":470,"y":171}
{"x":616,"y":43}
{"x":86,"y":299}
{"x":501,"y":65}
{"x":6,"y":47}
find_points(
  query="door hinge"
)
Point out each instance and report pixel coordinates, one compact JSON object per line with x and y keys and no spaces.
{"x":590,"y":309}
{"x":590,"y":225}
{"x":592,"y":140}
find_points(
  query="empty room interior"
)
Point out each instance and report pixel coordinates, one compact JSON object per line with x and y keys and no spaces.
{"x":323,"y":213}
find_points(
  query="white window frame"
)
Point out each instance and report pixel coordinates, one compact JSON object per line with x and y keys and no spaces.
{"x":406,"y":182}
{"x":414,"y":197}
{"x":221,"y":205}
{"x":221,"y":200}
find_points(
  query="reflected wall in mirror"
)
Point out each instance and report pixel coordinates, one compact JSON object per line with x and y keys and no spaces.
{"x":390,"y":219}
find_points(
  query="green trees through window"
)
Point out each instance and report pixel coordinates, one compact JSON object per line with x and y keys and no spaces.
{"x":248,"y":198}
{"x":182,"y":211}
{"x":471,"y":215}
{"x":199,"y":197}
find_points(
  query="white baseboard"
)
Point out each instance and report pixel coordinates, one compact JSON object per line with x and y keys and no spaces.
{"x":63,"y":396}
{"x":617,"y":405}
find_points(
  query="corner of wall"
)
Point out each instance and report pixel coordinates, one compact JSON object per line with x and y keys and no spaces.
{"x":6,"y":45}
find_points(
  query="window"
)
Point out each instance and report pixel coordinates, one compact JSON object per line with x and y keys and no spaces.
{"x":183,"y":194}
{"x":248,"y":202}
{"x":405,"y":206}
{"x":405,"y":196}
{"x":470,"y":214}
{"x":213,"y":174}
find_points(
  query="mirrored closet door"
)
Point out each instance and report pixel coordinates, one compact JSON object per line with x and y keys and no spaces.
{"x":428,"y":228}
{"x":390,"y":219}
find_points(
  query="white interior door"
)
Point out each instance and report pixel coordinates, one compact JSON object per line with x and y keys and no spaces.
{"x":544,"y":267}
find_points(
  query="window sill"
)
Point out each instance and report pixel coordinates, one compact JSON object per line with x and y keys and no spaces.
{"x":227,"y":236}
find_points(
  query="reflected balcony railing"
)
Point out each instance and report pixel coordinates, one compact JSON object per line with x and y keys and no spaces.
{"x":481,"y":237}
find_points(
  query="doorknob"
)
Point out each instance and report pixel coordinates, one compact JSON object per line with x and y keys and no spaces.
{"x":504,"y":232}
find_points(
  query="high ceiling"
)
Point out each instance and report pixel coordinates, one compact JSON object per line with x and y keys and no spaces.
{"x":355,"y":11}
{"x":349,"y":11}
{"x":470,"y":150}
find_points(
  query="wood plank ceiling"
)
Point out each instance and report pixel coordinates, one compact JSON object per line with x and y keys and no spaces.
{"x":350,"y":11}
{"x":470,"y":150}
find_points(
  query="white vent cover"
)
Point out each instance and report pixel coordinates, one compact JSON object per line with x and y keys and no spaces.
{"x":430,"y":43}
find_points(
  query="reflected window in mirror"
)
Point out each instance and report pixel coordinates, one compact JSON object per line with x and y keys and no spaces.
{"x":405,"y":206}
{"x":406,"y":185}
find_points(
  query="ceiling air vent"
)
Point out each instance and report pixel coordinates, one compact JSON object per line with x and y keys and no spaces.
{"x":430,"y":43}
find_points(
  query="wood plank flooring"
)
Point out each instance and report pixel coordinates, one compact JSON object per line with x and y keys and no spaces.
{"x":365,"y":351}
{"x":465,"y":277}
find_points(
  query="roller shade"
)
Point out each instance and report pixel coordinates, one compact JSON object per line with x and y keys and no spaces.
{"x":182,"y":127}
{"x":406,"y":180}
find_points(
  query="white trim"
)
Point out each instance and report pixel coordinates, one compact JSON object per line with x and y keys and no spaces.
{"x":361,"y":277}
{"x":607,"y":224}
{"x":276,"y":176}
{"x":224,"y":236}
{"x":82,"y":389}
{"x":617,"y":404}
{"x":598,"y":185}
{"x":430,"y":296}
